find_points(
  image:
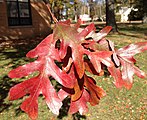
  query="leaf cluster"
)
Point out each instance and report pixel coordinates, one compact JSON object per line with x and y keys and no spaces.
{"x":66,"y":55}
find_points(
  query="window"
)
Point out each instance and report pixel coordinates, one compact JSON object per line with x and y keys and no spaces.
{"x":19,"y":12}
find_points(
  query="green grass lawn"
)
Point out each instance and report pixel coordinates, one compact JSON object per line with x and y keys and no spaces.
{"x":119,"y":104}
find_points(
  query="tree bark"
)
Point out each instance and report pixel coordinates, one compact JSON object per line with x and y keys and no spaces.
{"x":145,"y":11}
{"x":110,"y":16}
{"x":91,"y":5}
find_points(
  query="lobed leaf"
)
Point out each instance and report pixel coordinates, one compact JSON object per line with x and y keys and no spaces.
{"x":95,"y":92}
{"x":101,"y":34}
{"x":34,"y":87}
{"x":80,"y":104}
{"x":125,"y":55}
{"x":116,"y":74}
{"x":99,"y":57}
{"x":74,"y":41}
{"x":132,"y":49}
{"x":65,"y":55}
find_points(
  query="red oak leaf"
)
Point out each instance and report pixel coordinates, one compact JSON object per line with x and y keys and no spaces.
{"x":128,"y":70}
{"x":116,"y":74}
{"x":80,"y":104}
{"x":81,"y":94}
{"x":101,"y":34}
{"x":45,"y":65}
{"x":99,"y":57}
{"x":95,"y":92}
{"x":125,"y":56}
{"x":34,"y":87}
{"x":74,"y":40}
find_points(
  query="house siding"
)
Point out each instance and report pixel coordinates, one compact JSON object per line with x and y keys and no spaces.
{"x":40,"y":23}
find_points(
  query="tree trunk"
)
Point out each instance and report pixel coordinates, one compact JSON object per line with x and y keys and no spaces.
{"x":91,"y":5}
{"x":75,"y":11}
{"x":110,"y":16}
{"x":145,"y":11}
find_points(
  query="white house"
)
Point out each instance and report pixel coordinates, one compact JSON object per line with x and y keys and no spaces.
{"x":85,"y":17}
{"x":124,"y":12}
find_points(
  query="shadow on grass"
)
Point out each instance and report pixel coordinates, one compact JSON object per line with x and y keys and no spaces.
{"x":133,"y":27}
{"x":12,"y":55}
{"x":5,"y":85}
{"x":140,"y":28}
{"x":121,"y":33}
{"x":16,"y":50}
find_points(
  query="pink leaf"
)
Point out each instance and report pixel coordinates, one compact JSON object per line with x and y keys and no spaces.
{"x":99,"y":57}
{"x":116,"y":74}
{"x":22,"y":71}
{"x":126,"y":55}
{"x":42,"y":49}
{"x":128,"y":70}
{"x":74,"y":41}
{"x":101,"y":34}
{"x":95,"y":92}
{"x":87,"y":30}
{"x":132,"y":49}
{"x":124,"y":77}
{"x":46,"y":66}
{"x":114,"y":56}
{"x":80,"y":104}
{"x":34,"y":87}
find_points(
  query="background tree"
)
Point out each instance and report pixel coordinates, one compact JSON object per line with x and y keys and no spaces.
{"x":92,"y":6}
{"x":140,"y":9}
{"x":74,"y":9}
{"x":101,"y":8}
{"x":57,"y":6}
{"x":145,"y":11}
{"x":77,"y":8}
{"x":110,"y":16}
{"x":137,"y":13}
{"x":65,"y":9}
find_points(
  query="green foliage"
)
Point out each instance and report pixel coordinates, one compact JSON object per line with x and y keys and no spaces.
{"x":137,"y":15}
{"x":68,"y":6}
